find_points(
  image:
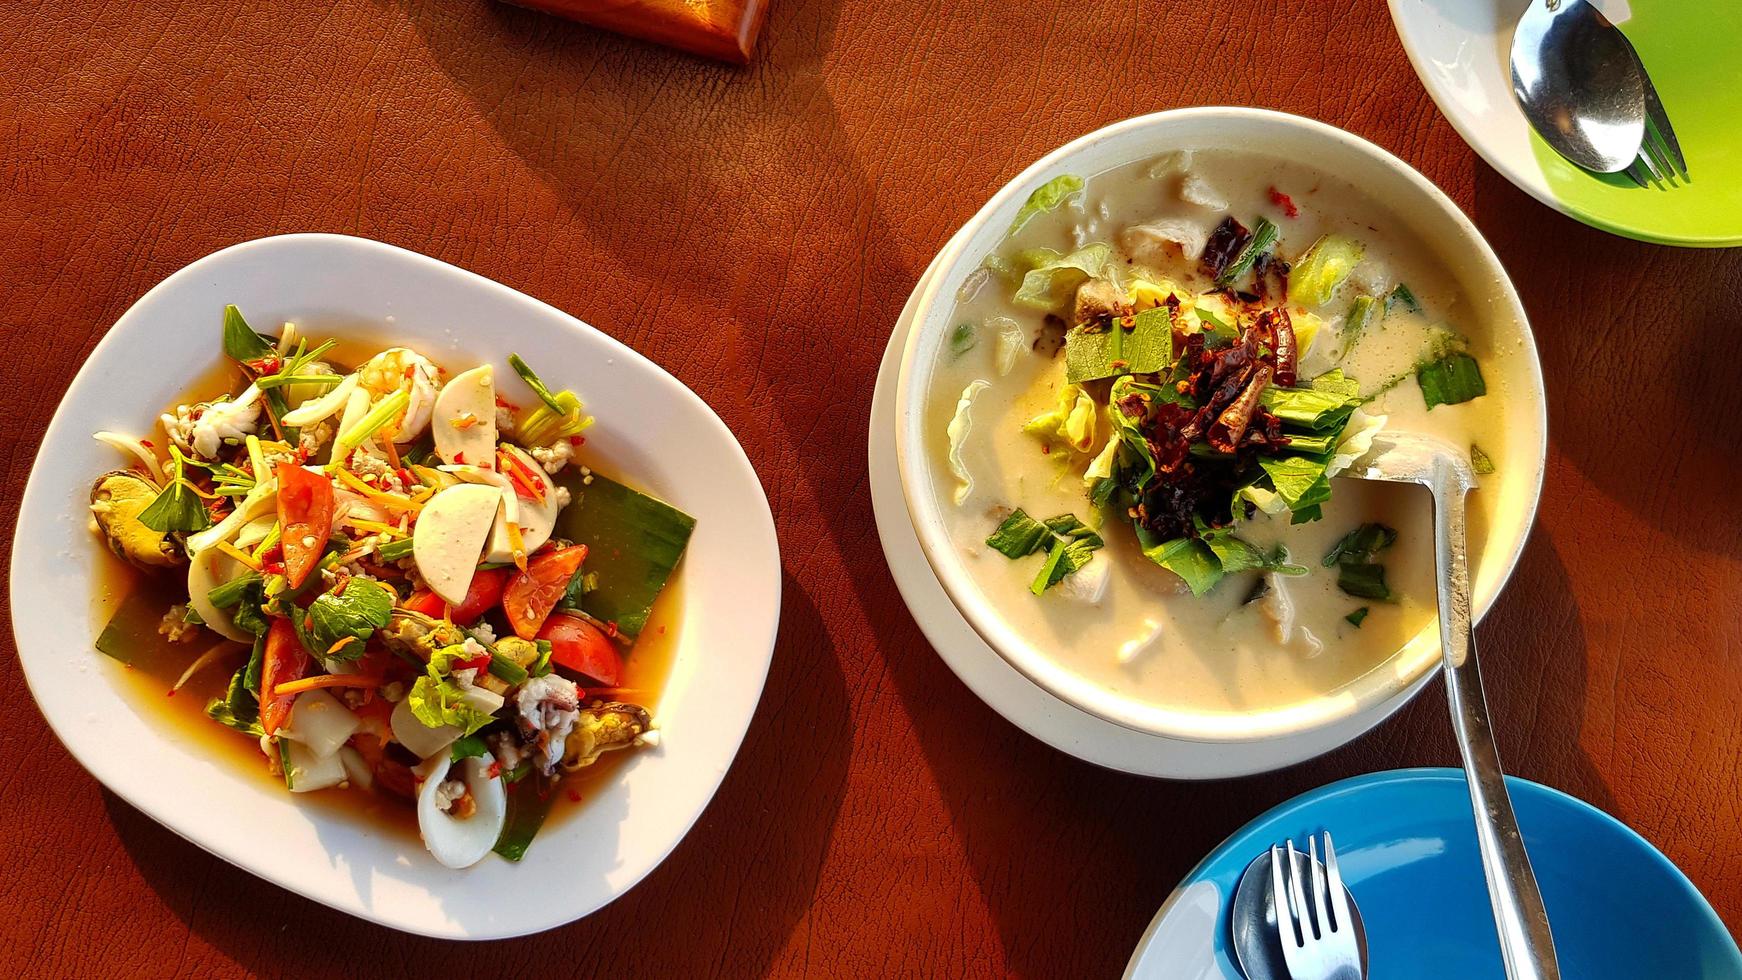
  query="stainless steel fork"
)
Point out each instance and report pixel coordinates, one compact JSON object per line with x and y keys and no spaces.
{"x":1660,"y":162}
{"x":1318,"y":941}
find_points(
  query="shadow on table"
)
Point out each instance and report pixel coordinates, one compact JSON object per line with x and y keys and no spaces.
{"x":1640,"y":384}
{"x":738,"y":883}
{"x":1047,"y":833}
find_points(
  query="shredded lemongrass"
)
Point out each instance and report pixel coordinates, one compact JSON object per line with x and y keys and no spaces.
{"x":128,"y":444}
{"x":266,"y":543}
{"x":517,"y":545}
{"x":375,"y":526}
{"x":256,"y":458}
{"x":377,"y":418}
{"x":203,"y":660}
{"x":238,"y":554}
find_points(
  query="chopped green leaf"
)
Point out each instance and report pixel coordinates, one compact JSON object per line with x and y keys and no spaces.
{"x":1401,"y":296}
{"x":1072,"y":422}
{"x":177,"y":507}
{"x":1018,"y":536}
{"x":1355,"y":618}
{"x":1189,"y":558}
{"x":1314,"y":279}
{"x":529,"y":801}
{"x":1301,"y":483}
{"x":536,"y":383}
{"x":962,"y":339}
{"x":352,"y":616}
{"x":1450,"y":380}
{"x":237,"y":708}
{"x":437,"y":701}
{"x":1357,"y":573}
{"x":1360,"y":545}
{"x":469,"y":747}
{"x":1046,"y":197}
{"x":1140,"y":344}
{"x":1480,"y":461}
{"x":241,"y":343}
{"x":1263,"y":239}
{"x":1364,"y":581}
{"x":634,"y":542}
{"x":1312,"y":408}
{"x":1069,"y":527}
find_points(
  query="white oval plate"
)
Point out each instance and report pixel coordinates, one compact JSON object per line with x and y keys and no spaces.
{"x":1024,"y":703}
{"x":650,"y":427}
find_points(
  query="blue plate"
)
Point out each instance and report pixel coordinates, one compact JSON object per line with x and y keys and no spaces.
{"x":1406,"y":843}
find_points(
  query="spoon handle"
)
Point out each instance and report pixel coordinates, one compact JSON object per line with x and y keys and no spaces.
{"x":1526,"y":945}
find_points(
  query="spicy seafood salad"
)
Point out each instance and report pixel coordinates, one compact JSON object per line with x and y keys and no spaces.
{"x":417,"y":591}
{"x":1139,"y":414}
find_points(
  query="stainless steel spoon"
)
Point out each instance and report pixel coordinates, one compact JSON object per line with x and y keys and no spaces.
{"x":1526,"y":945}
{"x":1252,"y":919}
{"x":1580,"y":85}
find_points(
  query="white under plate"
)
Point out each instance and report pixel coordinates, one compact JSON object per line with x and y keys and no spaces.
{"x":1022,"y":702}
{"x":651,"y":429}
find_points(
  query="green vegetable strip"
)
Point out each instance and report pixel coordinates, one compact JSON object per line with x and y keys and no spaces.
{"x":1263,"y":240}
{"x":506,"y":669}
{"x":368,"y":425}
{"x":394,"y":550}
{"x":532,"y":381}
{"x":1361,"y":315}
{"x":1355,"y":618}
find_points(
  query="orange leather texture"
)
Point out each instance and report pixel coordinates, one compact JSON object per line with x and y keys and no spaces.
{"x":756,"y":232}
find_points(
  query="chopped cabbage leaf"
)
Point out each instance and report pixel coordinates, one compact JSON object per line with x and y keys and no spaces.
{"x":958,"y":434}
{"x":1011,"y":342}
{"x":1046,"y":197}
{"x":1052,"y":279}
{"x":1072,"y":422}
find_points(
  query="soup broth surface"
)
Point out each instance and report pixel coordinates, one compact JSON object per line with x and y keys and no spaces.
{"x":1148,"y":637}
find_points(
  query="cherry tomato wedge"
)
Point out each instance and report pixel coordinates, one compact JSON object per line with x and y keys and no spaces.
{"x":481,"y":597}
{"x":426,"y":602}
{"x":583,"y":648}
{"x":305,"y":511}
{"x":529,"y":596}
{"x":284,"y":660}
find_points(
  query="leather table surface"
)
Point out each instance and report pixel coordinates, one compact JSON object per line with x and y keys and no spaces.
{"x":756,"y":232}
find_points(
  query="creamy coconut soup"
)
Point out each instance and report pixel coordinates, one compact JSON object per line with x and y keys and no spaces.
{"x":1142,"y":408}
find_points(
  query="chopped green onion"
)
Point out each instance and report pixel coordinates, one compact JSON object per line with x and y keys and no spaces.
{"x":1361,"y":316}
{"x":1355,"y":618}
{"x":270,"y":381}
{"x":394,"y":550}
{"x":505,"y":669}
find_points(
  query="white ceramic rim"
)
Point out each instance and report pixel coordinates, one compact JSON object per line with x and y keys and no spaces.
{"x":1369,"y":690}
{"x":396,"y":883}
